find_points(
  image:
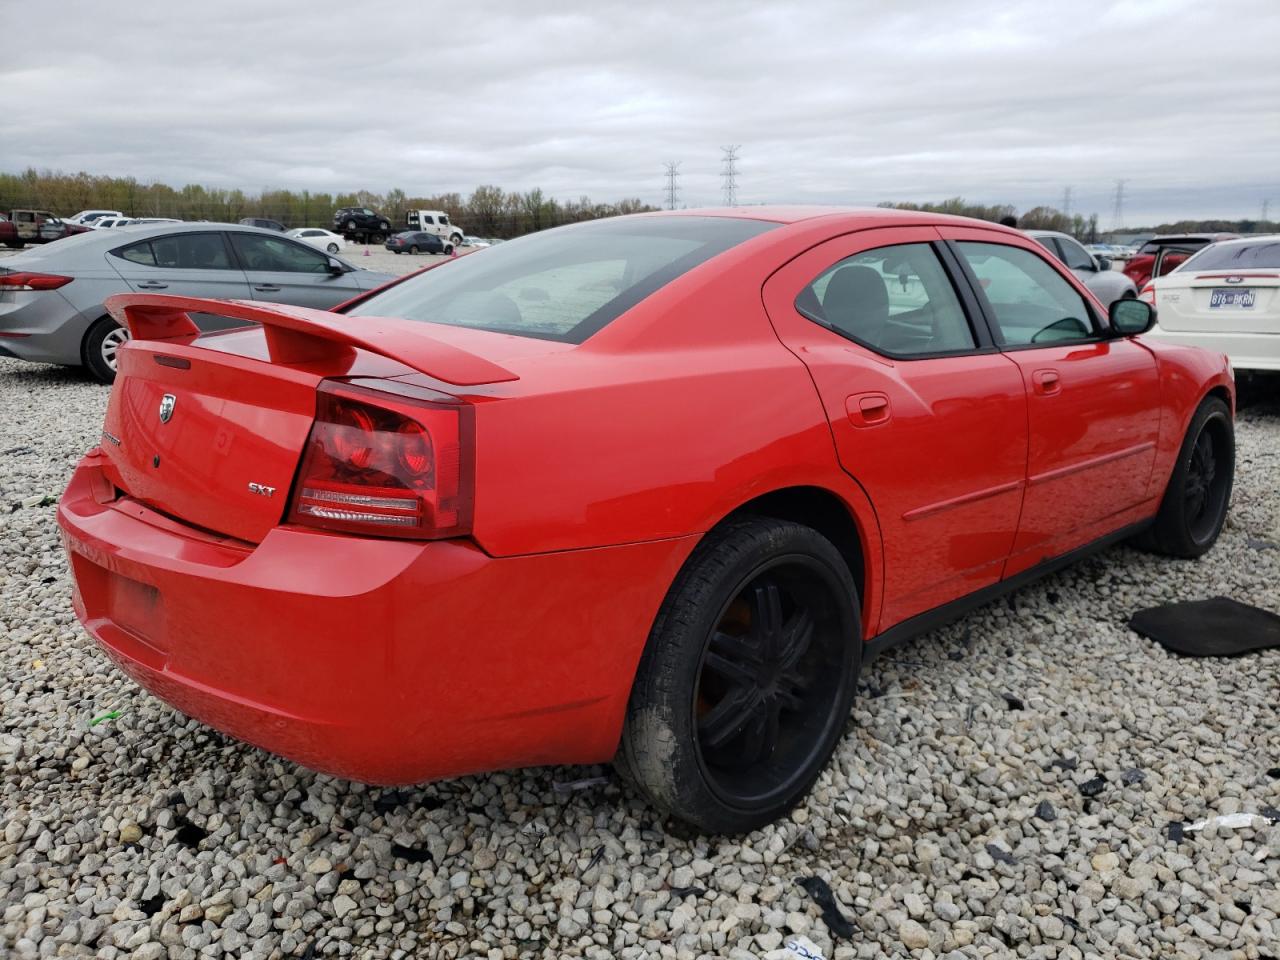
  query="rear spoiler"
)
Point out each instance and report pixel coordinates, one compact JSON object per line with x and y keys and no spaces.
{"x":304,"y":335}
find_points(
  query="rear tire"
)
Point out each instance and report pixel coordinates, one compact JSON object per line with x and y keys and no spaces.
{"x":99,"y":349}
{"x":413,"y":249}
{"x":1195,"y":502}
{"x":747,"y":678}
{"x":332,"y":248}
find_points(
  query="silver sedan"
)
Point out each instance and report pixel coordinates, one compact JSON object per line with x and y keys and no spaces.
{"x":51,"y":298}
{"x":1094,"y":272}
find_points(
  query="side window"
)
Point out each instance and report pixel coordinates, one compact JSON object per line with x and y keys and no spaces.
{"x":1075,"y":256}
{"x":191,"y":251}
{"x":138,"y":253}
{"x":444,"y":220}
{"x":896,"y":300}
{"x":277,"y":255}
{"x":1031,"y":301}
{"x":426,"y":220}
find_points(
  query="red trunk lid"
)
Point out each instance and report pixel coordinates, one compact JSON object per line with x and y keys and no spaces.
{"x":210,"y":429}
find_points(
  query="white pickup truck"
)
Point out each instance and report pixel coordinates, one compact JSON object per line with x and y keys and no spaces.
{"x":437,"y":222}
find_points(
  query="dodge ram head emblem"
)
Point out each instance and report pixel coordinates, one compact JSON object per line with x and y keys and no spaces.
{"x":167,"y":403}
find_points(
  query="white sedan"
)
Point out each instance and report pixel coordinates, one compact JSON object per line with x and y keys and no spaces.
{"x":320,"y":239}
{"x":1225,"y":298}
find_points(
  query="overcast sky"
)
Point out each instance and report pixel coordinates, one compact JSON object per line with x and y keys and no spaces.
{"x":841,"y":101}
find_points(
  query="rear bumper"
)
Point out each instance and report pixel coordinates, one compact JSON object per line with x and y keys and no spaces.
{"x":376,"y":660}
{"x":1246,"y":351}
{"x":42,"y":326}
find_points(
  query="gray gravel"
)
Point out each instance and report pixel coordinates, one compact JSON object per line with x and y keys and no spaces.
{"x":949,"y":824}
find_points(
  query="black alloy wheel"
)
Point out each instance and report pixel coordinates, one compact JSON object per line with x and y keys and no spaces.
{"x":770,"y":677}
{"x":745,"y":684}
{"x":1206,"y":485}
{"x":1194,"y":508}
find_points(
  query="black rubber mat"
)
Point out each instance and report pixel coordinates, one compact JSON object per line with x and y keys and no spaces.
{"x":1218,"y":627}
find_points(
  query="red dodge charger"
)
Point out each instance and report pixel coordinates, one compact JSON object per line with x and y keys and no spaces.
{"x":650,"y":488}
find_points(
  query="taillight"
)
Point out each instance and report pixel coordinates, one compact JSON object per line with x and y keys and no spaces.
{"x":32,"y":281}
{"x":392,"y":465}
{"x":1148,"y":294}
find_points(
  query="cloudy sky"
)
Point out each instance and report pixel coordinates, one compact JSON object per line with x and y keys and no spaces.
{"x":842,"y":101}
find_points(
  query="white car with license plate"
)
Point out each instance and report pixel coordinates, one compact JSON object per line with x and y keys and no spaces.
{"x":1225,"y":298}
{"x":324,"y":240}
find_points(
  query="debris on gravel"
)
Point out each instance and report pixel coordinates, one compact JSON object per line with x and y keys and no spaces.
{"x":949,"y":823}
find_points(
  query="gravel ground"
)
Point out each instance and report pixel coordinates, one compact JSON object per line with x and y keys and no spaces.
{"x":1006,"y":788}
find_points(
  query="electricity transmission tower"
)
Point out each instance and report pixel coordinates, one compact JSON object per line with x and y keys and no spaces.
{"x":729,"y":174}
{"x":673,"y":175}
{"x":1119,"y":211}
{"x":1066,"y":203}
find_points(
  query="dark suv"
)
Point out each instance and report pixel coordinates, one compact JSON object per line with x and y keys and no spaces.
{"x":360,"y":220}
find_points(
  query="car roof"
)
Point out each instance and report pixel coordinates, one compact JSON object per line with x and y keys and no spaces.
{"x":1048,"y":233}
{"x":857,"y":217}
{"x":1176,"y":237}
{"x":1250,"y":238}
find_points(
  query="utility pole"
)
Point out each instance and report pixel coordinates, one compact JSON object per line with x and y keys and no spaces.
{"x":729,"y":174}
{"x":1266,"y":210}
{"x":673,"y":174}
{"x":1119,"y":211}
{"x":1066,"y":203}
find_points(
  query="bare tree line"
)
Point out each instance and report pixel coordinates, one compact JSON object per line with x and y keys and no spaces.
{"x":489,"y":211}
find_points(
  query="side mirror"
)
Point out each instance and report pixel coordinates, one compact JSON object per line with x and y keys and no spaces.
{"x":1104,"y":263}
{"x":1131,"y":317}
{"x":336,"y":266}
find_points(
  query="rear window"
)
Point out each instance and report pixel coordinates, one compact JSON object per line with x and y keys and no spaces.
{"x":1236,"y":256}
{"x":1155,"y":246}
{"x":564,"y":284}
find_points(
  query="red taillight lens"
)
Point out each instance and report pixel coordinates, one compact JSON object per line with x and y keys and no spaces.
{"x":387,"y":464}
{"x":32,"y":281}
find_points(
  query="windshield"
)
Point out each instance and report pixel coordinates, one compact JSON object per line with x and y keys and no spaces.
{"x":1236,"y":256}
{"x":563,"y":284}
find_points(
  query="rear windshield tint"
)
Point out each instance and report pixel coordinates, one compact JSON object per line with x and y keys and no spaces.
{"x":1237,"y":256}
{"x":1155,"y":246}
{"x":563,"y":284}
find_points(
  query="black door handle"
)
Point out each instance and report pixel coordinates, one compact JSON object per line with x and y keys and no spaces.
{"x":266,"y":287}
{"x":152,"y":285}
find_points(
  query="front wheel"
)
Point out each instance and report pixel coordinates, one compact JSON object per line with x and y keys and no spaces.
{"x":100,"y":348}
{"x":1194,"y":507}
{"x":456,"y":239}
{"x":747,"y":677}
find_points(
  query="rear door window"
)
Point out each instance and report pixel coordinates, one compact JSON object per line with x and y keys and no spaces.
{"x":896,"y":300}
{"x":192,"y":251}
{"x":182,"y":251}
{"x":1032,"y":303}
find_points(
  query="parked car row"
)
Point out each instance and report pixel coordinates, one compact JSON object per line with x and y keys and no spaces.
{"x":1093,"y":270}
{"x":1223,"y":296}
{"x":21,"y":226}
{"x":52,"y":301}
